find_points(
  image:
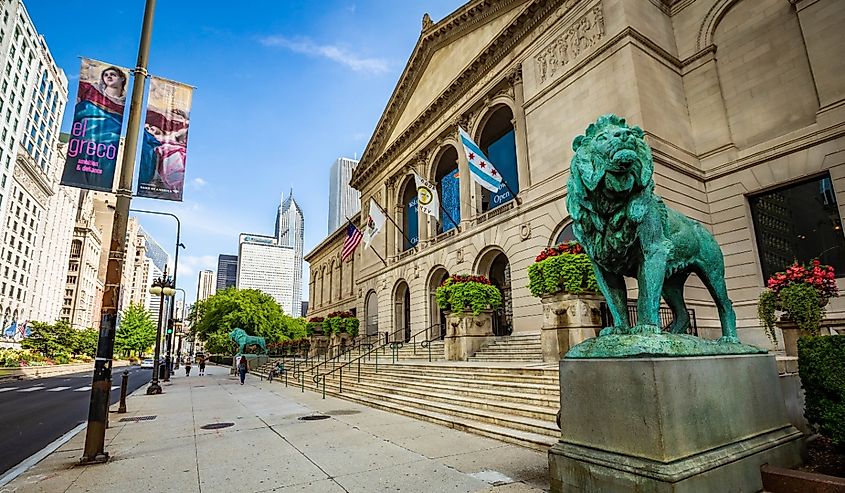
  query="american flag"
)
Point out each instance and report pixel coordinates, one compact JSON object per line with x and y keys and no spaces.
{"x":353,"y":239}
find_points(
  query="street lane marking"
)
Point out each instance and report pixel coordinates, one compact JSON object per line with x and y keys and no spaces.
{"x":57,"y":389}
{"x":6,"y":389}
{"x":83,"y":389}
{"x":30,"y":389}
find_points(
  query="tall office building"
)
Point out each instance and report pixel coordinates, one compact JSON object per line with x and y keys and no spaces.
{"x":82,"y":282}
{"x":33,"y":94}
{"x":205,"y":285}
{"x":227,"y":271}
{"x":290,"y":232}
{"x":344,"y":201}
{"x":159,"y":255}
{"x":265,"y":265}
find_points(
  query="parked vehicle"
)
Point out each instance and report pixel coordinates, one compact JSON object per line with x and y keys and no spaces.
{"x":147,"y":363}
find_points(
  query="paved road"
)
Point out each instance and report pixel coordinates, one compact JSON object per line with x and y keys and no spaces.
{"x":35,"y":412}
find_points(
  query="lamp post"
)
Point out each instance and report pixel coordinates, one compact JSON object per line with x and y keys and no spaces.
{"x":169,"y":340}
{"x":181,"y":326}
{"x":162,"y":286}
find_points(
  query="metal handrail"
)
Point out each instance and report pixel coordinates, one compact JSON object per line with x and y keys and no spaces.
{"x":298,"y":369}
{"x":394,"y":345}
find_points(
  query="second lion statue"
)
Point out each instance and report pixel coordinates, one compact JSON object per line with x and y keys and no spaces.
{"x":628,"y":231}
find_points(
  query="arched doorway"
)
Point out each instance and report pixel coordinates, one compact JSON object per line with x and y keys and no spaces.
{"x":448,"y":188}
{"x":437,"y":319}
{"x":402,"y":312}
{"x":495,"y":265}
{"x":410,"y":225}
{"x":371,"y":314}
{"x":498,"y":141}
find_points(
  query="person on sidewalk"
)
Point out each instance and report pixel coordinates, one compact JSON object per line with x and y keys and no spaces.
{"x":243,"y":367}
{"x":202,"y":366}
{"x":187,"y":367}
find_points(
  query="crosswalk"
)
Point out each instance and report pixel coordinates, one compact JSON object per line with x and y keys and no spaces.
{"x":37,"y":388}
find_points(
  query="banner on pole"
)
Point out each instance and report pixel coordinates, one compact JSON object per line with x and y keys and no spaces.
{"x":428,"y":199}
{"x":165,"y":145}
{"x":92,"y":148}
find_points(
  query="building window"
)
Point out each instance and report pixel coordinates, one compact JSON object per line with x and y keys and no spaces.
{"x":798,"y":222}
{"x":498,"y":141}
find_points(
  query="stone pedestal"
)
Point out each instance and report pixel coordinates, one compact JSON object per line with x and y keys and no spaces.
{"x":694,"y":424}
{"x":466,"y":334}
{"x":568,"y":320}
{"x":319,"y":345}
{"x":338,"y":343}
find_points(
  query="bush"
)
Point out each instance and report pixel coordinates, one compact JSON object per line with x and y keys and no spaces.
{"x":562,"y":269}
{"x":474,"y":293}
{"x":821,"y":366}
{"x":17,"y":357}
{"x":337,"y":322}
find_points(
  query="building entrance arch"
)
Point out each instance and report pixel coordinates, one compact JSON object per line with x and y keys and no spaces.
{"x":495,"y":265}
{"x":402,"y":312}
{"x":437,"y":319}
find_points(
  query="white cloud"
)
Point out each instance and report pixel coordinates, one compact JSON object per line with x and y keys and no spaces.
{"x":191,"y":265}
{"x":331,"y":52}
{"x":199,"y":182}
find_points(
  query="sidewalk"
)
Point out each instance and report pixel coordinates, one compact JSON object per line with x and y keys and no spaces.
{"x":357,"y":449}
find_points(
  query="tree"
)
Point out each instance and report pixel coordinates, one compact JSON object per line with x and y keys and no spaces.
{"x":86,"y":342}
{"x":136,"y":332}
{"x":51,"y":339}
{"x":257,"y":313}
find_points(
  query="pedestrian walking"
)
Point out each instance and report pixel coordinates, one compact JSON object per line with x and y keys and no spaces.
{"x":187,"y":367}
{"x":202,"y":366}
{"x":243,"y":367}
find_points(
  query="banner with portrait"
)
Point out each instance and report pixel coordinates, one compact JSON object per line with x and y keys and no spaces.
{"x":94,"y":141}
{"x":165,"y":142}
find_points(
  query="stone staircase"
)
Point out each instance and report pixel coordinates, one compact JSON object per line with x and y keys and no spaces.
{"x":410,"y":351}
{"x":518,"y":347}
{"x":505,"y":401}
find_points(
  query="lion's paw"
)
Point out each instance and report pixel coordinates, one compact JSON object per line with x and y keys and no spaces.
{"x":645,"y":329}
{"x":613,"y":331}
{"x":729,"y":340}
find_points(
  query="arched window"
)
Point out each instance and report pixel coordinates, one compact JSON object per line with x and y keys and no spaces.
{"x":498,"y":141}
{"x":409,"y":215}
{"x":448,"y":188}
{"x":371,"y":313}
{"x":565,"y":235}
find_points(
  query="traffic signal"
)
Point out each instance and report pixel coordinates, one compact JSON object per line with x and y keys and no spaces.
{"x":169,"y":330}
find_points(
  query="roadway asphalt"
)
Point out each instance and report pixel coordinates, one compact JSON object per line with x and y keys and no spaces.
{"x":36,"y":412}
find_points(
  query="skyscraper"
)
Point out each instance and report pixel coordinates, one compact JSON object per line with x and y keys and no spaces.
{"x":205,"y":284}
{"x":227,"y":271}
{"x":265,"y":265}
{"x":290,"y":232}
{"x":344,"y":201}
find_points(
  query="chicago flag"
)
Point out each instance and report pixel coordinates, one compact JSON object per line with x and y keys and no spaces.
{"x":481,"y":169}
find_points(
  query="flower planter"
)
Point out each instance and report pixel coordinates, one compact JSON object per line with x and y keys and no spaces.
{"x":338,"y":342}
{"x":319,"y":345}
{"x":791,"y":332}
{"x":568,"y":320}
{"x":466,"y":334}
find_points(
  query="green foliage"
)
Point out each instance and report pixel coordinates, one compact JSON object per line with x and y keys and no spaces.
{"x":17,"y":357}
{"x":137,"y":331}
{"x":86,"y":342}
{"x":336,"y":325}
{"x":821,"y":366}
{"x":255,"y":312}
{"x":312,"y":328}
{"x":800,"y":303}
{"x":565,"y":273}
{"x":472,"y":296}
{"x":52,"y":339}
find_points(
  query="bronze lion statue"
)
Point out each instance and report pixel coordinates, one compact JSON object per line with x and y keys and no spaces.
{"x":242,"y":339}
{"x":627,"y":231}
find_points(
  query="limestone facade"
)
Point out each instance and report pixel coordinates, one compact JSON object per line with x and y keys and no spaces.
{"x":737,"y":97}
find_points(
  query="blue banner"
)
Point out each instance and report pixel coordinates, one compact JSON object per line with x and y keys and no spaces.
{"x":97,"y":122}
{"x":450,"y":201}
{"x":502,"y":154}
{"x":411,"y":224}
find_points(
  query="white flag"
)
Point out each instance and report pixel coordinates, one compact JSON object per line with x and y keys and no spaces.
{"x":375,"y":223}
{"x":427,"y":199}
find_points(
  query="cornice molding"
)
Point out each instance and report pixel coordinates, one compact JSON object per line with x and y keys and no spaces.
{"x":376,"y":154}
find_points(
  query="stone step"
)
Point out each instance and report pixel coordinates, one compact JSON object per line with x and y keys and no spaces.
{"x":521,"y":355}
{"x":513,"y":421}
{"x":549,"y":388}
{"x":511,"y":347}
{"x":469,"y":373}
{"x":526,"y":403}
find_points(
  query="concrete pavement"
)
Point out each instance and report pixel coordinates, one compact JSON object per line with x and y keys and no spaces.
{"x":269,"y":447}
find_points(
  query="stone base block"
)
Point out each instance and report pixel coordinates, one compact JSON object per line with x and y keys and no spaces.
{"x":466,"y":334}
{"x":695,"y":424}
{"x":556,"y":342}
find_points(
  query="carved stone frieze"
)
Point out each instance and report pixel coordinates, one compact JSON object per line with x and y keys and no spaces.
{"x":581,"y":36}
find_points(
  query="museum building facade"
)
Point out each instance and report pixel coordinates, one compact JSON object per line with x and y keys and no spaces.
{"x":742,"y":103}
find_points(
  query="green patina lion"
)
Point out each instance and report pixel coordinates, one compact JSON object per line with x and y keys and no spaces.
{"x":628,"y":231}
{"x":242,"y":339}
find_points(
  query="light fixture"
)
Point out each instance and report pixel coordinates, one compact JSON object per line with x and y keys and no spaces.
{"x":155,"y":290}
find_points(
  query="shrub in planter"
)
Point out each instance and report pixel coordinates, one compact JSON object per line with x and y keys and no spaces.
{"x":337,"y":322}
{"x":314,"y":326}
{"x":461,"y":293}
{"x":565,"y":268}
{"x":821,"y":366}
{"x":800,"y":294}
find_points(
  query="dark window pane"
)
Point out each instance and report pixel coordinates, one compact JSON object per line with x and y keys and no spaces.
{"x":799,"y":222}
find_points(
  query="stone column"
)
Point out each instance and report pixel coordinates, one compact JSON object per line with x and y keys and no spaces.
{"x":465,"y":185}
{"x":390,"y":230}
{"x":824,"y":53}
{"x":524,"y":170}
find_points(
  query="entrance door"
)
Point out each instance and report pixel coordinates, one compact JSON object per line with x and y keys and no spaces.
{"x":406,"y":316}
{"x":500,"y":276}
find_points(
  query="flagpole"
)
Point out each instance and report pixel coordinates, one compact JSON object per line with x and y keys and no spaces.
{"x":349,"y":221}
{"x":394,"y":222}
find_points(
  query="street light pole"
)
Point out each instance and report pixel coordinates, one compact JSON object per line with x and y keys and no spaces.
{"x":169,"y":337}
{"x":162,"y":287}
{"x":98,"y":409}
{"x":181,"y":325}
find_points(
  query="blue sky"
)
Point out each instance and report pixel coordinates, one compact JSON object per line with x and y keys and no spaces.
{"x":283,"y":88}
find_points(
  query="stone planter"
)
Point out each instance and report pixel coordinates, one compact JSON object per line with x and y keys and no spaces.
{"x":466,"y":334}
{"x":319,"y":345}
{"x":568,"y":319}
{"x":338,"y":343}
{"x":791,"y":332}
